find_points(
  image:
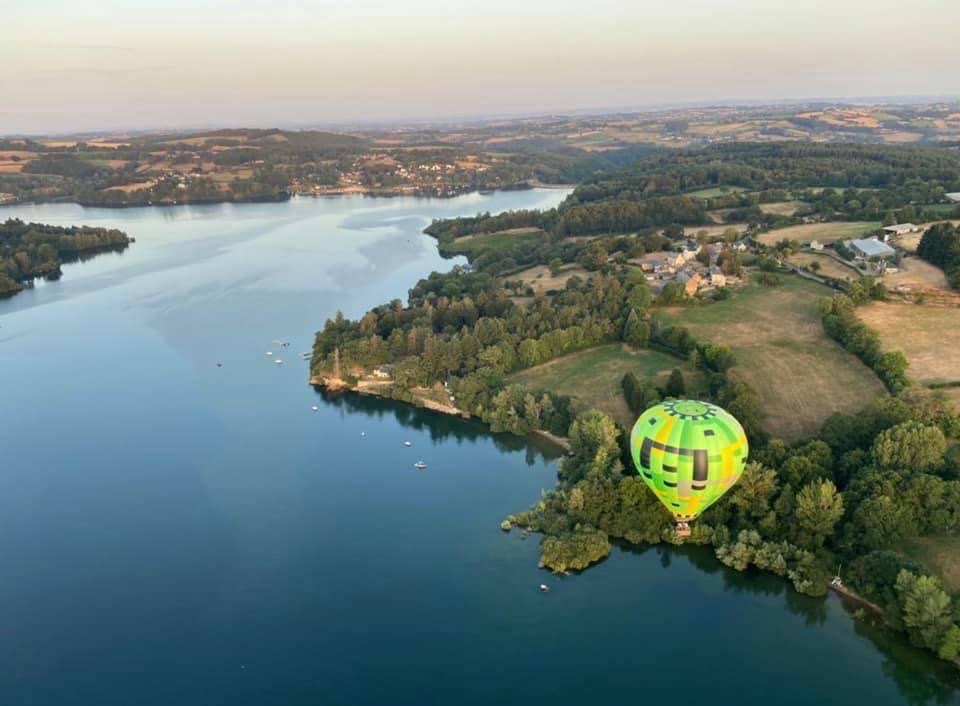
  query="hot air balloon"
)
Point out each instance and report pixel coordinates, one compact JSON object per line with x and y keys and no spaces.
{"x":690,"y":453}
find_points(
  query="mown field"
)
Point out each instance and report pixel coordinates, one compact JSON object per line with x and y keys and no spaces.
{"x":928,"y":336}
{"x":828,"y":266}
{"x":715,"y":191}
{"x":840,"y":230}
{"x":540,"y":277}
{"x":593,"y":376}
{"x":471,"y":245}
{"x":940,"y":554}
{"x":782,"y":208}
{"x":800,"y":376}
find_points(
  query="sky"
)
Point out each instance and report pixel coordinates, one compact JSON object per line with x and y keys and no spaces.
{"x":86,"y":65}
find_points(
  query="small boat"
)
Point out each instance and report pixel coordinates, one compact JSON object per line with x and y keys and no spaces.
{"x":419,"y":465}
{"x":278,"y":361}
{"x":363,"y":433}
{"x":408,"y":443}
{"x":314,"y":408}
{"x":269,"y":353}
{"x":544,"y":588}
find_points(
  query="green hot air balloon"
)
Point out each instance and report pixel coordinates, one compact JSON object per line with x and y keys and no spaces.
{"x":690,"y":453}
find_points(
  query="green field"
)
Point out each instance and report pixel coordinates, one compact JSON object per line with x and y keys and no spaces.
{"x":593,"y":376}
{"x":473,"y":245}
{"x":800,"y":376}
{"x":837,"y":230}
{"x":940,"y":554}
{"x":715,"y":191}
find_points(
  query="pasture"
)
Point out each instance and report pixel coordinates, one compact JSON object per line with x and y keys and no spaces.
{"x":940,"y":554}
{"x":594,"y":376}
{"x":782,"y":208}
{"x":800,"y":375}
{"x":828,"y":266}
{"x":541,"y":279}
{"x":928,"y":336}
{"x":501,"y":241}
{"x":715,"y":191}
{"x":836,"y":230}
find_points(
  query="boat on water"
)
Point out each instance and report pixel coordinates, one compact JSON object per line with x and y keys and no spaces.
{"x":419,"y":465}
{"x":278,"y":361}
{"x":269,"y":353}
{"x":315,"y":408}
{"x":544,"y":588}
{"x":408,"y":443}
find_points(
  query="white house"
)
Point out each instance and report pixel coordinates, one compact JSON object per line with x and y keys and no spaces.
{"x":954,"y":197}
{"x":816,"y":245}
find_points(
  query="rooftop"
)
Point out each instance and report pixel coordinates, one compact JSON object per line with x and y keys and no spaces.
{"x":871,"y":247}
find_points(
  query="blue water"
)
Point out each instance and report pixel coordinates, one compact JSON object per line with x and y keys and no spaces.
{"x":177,"y":533}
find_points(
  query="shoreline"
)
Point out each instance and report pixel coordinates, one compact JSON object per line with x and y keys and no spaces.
{"x":340,"y":386}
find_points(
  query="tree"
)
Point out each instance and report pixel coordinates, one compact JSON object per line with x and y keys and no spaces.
{"x":676,"y":386}
{"x":595,"y":448}
{"x":819,"y":507}
{"x":926,"y":609}
{"x":910,"y":446}
{"x":555,"y":265}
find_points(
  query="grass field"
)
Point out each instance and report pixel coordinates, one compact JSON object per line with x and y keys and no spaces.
{"x":800,"y":376}
{"x":928,"y":336}
{"x":838,"y":230}
{"x":715,"y":191}
{"x":503,"y":240}
{"x":918,"y":274}
{"x":540,"y":278}
{"x":939,"y":553}
{"x":593,"y":376}
{"x":782,"y":208}
{"x":828,"y":266}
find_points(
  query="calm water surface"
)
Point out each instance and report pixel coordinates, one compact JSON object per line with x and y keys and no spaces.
{"x":177,"y":533}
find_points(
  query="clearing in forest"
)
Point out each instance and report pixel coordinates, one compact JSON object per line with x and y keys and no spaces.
{"x":836,"y":230}
{"x":715,"y":191}
{"x":594,"y":376}
{"x":928,"y":336}
{"x":782,"y":208}
{"x":800,"y":375}
{"x":940,"y":554}
{"x":502,"y":241}
{"x":540,"y":277}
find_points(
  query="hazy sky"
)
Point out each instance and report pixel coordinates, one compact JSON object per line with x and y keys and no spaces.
{"x":106,"y":64}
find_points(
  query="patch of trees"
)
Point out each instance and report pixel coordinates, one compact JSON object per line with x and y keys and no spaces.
{"x":852,"y":495}
{"x":940,"y":246}
{"x":29,"y":250}
{"x":840,"y":322}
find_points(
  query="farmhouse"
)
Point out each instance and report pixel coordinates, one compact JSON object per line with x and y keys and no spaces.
{"x":690,"y":250}
{"x":816,"y":245}
{"x":870,"y":249}
{"x":383,"y":372}
{"x":900,"y":229}
{"x":693,"y":284}
{"x":717,"y":278}
{"x":954,"y":197}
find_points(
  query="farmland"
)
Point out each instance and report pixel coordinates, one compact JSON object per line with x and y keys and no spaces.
{"x":837,"y":230}
{"x":928,"y":336}
{"x":800,"y":376}
{"x":593,"y":376}
{"x":502,"y":241}
{"x":829,"y":267}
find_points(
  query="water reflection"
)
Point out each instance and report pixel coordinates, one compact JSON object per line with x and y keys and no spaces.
{"x":441,"y":427}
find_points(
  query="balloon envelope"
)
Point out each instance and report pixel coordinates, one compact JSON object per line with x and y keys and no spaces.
{"x":690,"y":453}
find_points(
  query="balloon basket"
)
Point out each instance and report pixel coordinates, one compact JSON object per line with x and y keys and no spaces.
{"x":682,"y":529}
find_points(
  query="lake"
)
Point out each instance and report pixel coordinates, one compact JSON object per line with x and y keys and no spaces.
{"x":177,"y":533}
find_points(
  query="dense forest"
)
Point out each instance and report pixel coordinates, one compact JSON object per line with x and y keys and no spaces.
{"x":834,"y":182}
{"x":940,"y":246}
{"x":29,"y":250}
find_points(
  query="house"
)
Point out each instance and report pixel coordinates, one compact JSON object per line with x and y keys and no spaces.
{"x":742,"y":245}
{"x":871,"y":249}
{"x":816,"y":245}
{"x":714,"y":250}
{"x":693,"y":284}
{"x":690,"y":250}
{"x":717,"y":278}
{"x":384,"y":372}
{"x":674,"y":260}
{"x":954,"y":197}
{"x":899,"y":229}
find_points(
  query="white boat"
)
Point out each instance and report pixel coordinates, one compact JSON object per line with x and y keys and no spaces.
{"x":278,"y":361}
{"x":419,"y":465}
{"x":544,"y":588}
{"x":314,"y":408}
{"x":269,"y":353}
{"x":408,"y":443}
